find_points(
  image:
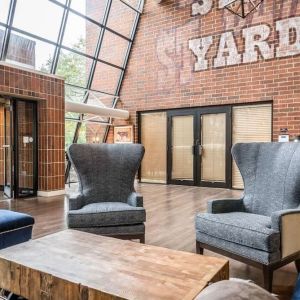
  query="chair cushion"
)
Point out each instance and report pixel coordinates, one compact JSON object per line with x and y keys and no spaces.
{"x":245,"y":229}
{"x":257,"y":255}
{"x":15,"y":228}
{"x":106,"y":214}
{"x":10,"y":220}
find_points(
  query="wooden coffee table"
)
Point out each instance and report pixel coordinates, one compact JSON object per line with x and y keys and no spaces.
{"x":77,"y":265}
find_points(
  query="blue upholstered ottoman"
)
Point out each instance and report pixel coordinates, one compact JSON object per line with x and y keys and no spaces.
{"x":15,"y":228}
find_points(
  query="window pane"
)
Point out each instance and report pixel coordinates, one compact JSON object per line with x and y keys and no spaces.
{"x":74,"y":94}
{"x":70,"y":127}
{"x":121,"y":18}
{"x":77,"y":30}
{"x":213,"y":141}
{"x":2,"y":31}
{"x":32,"y":53}
{"x":4,"y":7}
{"x":100,"y":99}
{"x":93,"y":9}
{"x":106,"y":78}
{"x":94,"y":133}
{"x":72,"y":115}
{"x":82,"y":134}
{"x":250,"y":124}
{"x":113,"y":49}
{"x":42,"y":18}
{"x":153,"y":137}
{"x":73,"y":68}
{"x":133,"y":3}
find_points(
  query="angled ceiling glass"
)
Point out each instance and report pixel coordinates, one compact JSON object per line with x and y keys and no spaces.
{"x":4,"y":10}
{"x":87,"y":42}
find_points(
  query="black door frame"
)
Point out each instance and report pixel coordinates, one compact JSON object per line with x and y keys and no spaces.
{"x":16,"y":136}
{"x":197,"y":113}
{"x":8,"y":189}
{"x":170,"y":115}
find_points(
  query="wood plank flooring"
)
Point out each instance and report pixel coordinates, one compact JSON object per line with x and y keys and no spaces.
{"x":170,"y":223}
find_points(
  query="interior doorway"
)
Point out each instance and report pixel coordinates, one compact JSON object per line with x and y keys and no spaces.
{"x":18,"y":147}
{"x":199,"y":142}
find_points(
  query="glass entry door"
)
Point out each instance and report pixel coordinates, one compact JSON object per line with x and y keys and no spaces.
{"x":25,"y":144}
{"x":199,"y":142}
{"x":181,"y":136}
{"x":214,"y":162}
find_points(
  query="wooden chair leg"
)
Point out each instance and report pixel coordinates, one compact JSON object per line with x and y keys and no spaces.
{"x":297,"y":264}
{"x":268,"y":278}
{"x":199,"y":250}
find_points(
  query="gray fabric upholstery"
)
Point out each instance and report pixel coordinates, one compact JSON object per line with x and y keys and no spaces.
{"x":271,"y":175}
{"x":116,"y":230}
{"x":242,"y":228}
{"x":234,"y":290}
{"x":106,"y":172}
{"x":251,"y":226}
{"x":106,"y":214}
{"x":260,"y":256}
{"x":76,"y":201}
{"x":225,"y":206}
{"x":106,"y":202}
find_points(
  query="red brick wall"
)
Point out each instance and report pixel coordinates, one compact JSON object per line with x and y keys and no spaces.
{"x":49,"y":93}
{"x":161,"y":72}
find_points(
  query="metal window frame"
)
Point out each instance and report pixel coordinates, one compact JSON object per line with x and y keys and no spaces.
{"x":133,"y":33}
{"x":9,"y":28}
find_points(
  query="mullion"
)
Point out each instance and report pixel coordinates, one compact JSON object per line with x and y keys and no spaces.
{"x":91,"y":90}
{"x":62,"y":46}
{"x":93,"y":67}
{"x":91,"y":76}
{"x":89,"y":121}
{"x":60,"y":37}
{"x":7,"y":33}
{"x":128,"y":5}
{"x":115,"y":101}
{"x":92,"y":20}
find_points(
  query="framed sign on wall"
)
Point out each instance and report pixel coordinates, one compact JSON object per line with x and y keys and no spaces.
{"x":123,"y":134}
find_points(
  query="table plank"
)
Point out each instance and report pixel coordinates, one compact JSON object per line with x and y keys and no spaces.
{"x":80,"y":265}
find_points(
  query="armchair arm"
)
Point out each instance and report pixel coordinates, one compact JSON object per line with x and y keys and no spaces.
{"x":76,"y":201}
{"x":225,"y":206}
{"x":135,"y":199}
{"x":287,"y":222}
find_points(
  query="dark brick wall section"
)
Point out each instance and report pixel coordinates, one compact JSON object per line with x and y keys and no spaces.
{"x":49,"y":93}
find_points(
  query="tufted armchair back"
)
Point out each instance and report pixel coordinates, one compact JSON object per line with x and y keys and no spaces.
{"x":106,"y":172}
{"x":271,"y":175}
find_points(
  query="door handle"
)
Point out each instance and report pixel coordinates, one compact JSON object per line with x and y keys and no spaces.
{"x":5,"y":146}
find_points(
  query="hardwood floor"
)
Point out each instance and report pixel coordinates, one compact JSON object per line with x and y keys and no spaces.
{"x":170,"y":223}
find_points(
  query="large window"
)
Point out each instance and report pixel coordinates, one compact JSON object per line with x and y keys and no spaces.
{"x":250,"y":124}
{"x":87,"y":42}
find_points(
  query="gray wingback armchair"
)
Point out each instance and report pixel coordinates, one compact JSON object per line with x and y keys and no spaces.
{"x":107,"y":203}
{"x":261,"y":228}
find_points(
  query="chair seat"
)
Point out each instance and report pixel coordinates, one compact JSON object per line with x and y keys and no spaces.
{"x":106,"y":214}
{"x":245,"y":229}
{"x":15,"y":228}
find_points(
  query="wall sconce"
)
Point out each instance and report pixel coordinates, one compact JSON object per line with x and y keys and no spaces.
{"x":95,"y":140}
{"x":242,"y":8}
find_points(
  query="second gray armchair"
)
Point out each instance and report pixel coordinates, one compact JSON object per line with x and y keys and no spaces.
{"x":107,"y":203}
{"x":261,"y":228}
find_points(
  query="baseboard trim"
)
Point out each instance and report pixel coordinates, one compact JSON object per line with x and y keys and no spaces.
{"x":50,"y":193}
